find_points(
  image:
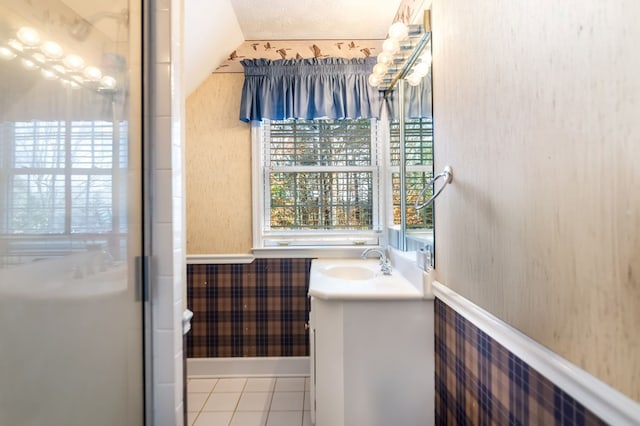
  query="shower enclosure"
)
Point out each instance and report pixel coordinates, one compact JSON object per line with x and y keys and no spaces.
{"x":71,"y":213}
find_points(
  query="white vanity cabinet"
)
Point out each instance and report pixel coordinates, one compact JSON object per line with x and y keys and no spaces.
{"x":372,"y":362}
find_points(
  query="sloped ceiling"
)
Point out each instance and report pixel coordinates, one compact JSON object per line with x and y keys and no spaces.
{"x":211,"y":31}
{"x":220,"y":33}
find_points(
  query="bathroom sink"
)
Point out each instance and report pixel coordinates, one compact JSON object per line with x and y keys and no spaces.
{"x":354,"y":278}
{"x":349,"y":272}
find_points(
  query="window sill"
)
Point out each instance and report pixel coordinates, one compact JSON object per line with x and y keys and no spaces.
{"x":309,"y":252}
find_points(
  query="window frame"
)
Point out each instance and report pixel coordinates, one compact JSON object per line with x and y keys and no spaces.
{"x":266,"y":240}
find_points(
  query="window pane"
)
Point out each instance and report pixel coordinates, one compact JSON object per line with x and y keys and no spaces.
{"x":416,"y":181}
{"x":37,"y":204}
{"x":320,"y":143}
{"x":91,"y":203}
{"x":418,"y":142}
{"x":91,"y":144}
{"x":322,"y":200}
{"x":39,"y":144}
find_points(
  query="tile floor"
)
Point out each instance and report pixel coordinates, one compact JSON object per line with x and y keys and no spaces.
{"x":248,"y":401}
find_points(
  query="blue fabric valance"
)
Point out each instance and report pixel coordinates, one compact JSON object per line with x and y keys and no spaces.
{"x":417,"y":101}
{"x":333,"y":88}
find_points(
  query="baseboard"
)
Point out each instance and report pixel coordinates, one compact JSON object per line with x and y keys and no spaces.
{"x":255,"y":367}
{"x":604,"y":401}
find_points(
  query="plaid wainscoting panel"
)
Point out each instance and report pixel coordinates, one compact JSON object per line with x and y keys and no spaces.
{"x":249,"y":310}
{"x":479,"y":382}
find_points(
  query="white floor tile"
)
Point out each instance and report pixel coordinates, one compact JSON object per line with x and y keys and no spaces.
{"x":287,"y":401}
{"x":230,"y":385}
{"x":284,"y":418}
{"x":260,"y":384}
{"x":255,"y":401}
{"x":249,"y":418}
{"x":201,"y":385}
{"x":195,"y":401}
{"x":225,"y":401}
{"x":290,"y":384}
{"x":214,"y":418}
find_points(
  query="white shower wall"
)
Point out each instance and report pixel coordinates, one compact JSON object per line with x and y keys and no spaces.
{"x":167,"y":212}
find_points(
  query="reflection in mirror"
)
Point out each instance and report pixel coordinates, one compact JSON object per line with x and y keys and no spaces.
{"x":411,"y":154}
{"x":63,"y":142}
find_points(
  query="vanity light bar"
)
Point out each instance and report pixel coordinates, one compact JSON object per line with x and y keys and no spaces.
{"x":399,"y":53}
{"x":50,"y":58}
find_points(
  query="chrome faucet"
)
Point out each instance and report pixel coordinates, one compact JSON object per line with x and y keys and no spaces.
{"x":385,"y":265}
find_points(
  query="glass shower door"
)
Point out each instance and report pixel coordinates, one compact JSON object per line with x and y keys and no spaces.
{"x":71,"y":319}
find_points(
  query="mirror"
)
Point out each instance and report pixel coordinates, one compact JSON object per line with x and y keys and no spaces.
{"x":411,"y":149}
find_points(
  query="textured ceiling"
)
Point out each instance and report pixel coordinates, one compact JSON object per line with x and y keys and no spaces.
{"x":314,"y":19}
{"x":285,"y":29}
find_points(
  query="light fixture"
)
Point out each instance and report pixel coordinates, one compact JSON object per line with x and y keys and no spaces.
{"x":49,"y":57}
{"x":15,"y":45}
{"x":421,"y":69}
{"x":39,"y":58}
{"x":385,"y":58}
{"x":29,"y":64}
{"x":6,"y":53}
{"x":28,"y":36}
{"x":414,"y":79}
{"x":398,"y":31}
{"x":401,"y":56}
{"x":92,"y":73}
{"x":380,"y":69}
{"x":73,"y":62}
{"x":108,"y":82}
{"x":52,"y":49}
{"x":390,"y":46}
{"x":48,"y":75}
{"x":374,"y":80}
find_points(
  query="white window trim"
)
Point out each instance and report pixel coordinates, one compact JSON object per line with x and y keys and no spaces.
{"x":312,"y":244}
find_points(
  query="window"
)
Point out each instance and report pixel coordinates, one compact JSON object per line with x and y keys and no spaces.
{"x":60,"y":176}
{"x":419,"y":160}
{"x":318,"y":182}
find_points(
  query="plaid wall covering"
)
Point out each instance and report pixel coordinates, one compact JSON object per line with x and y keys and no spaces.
{"x":479,"y":382}
{"x":249,"y":310}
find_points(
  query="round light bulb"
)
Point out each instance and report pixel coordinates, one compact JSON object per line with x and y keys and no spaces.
{"x":30,"y":65}
{"x":385,"y":58}
{"x":48,"y":75}
{"x":59,"y":69}
{"x":52,"y":49}
{"x":39,"y":58}
{"x":108,"y":82}
{"x":15,"y":45}
{"x":92,"y":73}
{"x":390,"y":46}
{"x":6,"y":53}
{"x":28,"y":36}
{"x":398,"y":31}
{"x":74,"y":62}
{"x":421,"y":69}
{"x":380,"y":69}
{"x":426,"y":58}
{"x":374,"y":80}
{"x":414,"y":79}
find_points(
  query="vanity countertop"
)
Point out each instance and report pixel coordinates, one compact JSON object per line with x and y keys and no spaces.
{"x":358,"y":279}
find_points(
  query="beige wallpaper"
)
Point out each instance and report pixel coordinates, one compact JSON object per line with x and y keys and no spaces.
{"x":218,"y":169}
{"x":536,"y":110}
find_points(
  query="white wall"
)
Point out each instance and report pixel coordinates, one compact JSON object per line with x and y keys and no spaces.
{"x":536,"y":109}
{"x":211,"y":33}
